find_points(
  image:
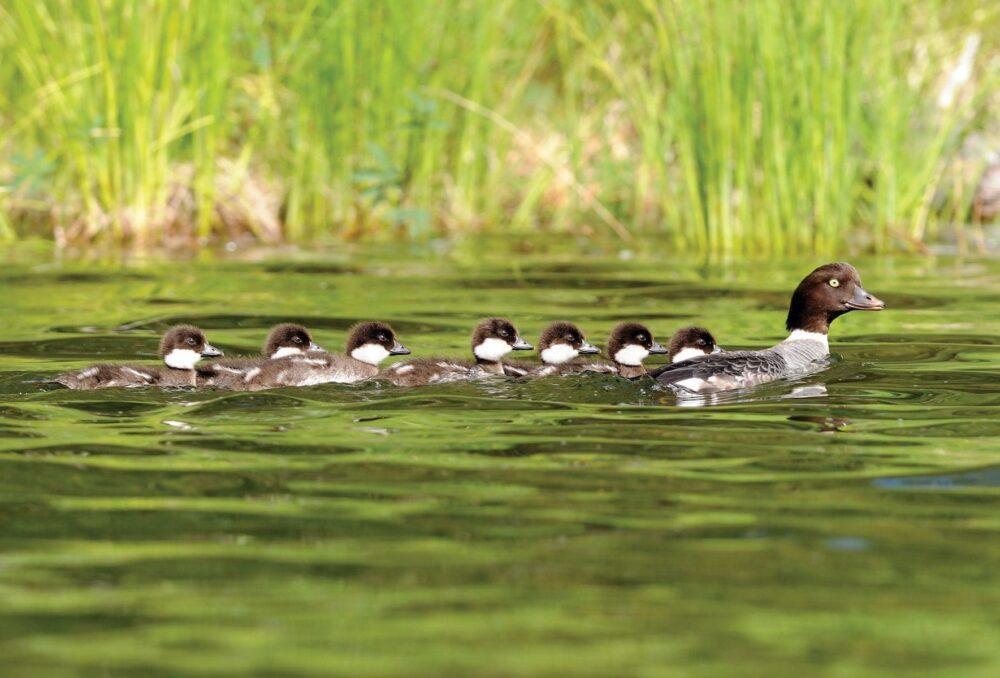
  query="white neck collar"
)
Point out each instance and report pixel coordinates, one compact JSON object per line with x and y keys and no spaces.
{"x":803,"y":335}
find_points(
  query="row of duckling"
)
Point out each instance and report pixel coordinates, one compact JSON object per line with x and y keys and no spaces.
{"x":697,"y":364}
{"x":291,"y":358}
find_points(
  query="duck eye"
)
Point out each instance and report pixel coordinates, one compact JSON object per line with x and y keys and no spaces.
{"x":641,"y":337}
{"x":191,"y":341}
{"x":834,"y":283}
{"x":503,"y":333}
{"x":382,"y":337}
{"x":297,"y":340}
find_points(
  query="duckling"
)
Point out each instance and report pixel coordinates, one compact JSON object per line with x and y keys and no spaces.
{"x":181,"y":348}
{"x":368,"y":344}
{"x":558,"y":344}
{"x":628,"y":345}
{"x":824,"y":295}
{"x":691,"y":342}
{"x":492,"y":339}
{"x":283,"y":341}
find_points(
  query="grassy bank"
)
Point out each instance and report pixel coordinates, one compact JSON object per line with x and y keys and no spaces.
{"x":729,"y":127}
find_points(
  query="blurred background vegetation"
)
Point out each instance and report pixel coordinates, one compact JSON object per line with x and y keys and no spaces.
{"x":727,"y":127}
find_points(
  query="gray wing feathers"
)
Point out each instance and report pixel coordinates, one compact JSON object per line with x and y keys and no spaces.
{"x":735,"y":369}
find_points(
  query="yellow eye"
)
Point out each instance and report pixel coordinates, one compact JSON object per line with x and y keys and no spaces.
{"x":834,"y":283}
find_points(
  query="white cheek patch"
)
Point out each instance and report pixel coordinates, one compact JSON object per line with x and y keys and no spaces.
{"x":688,"y":353}
{"x":370,"y":353}
{"x":492,"y":349}
{"x":286,"y":351}
{"x":557,"y":354}
{"x":182,"y":359}
{"x":632,"y":355}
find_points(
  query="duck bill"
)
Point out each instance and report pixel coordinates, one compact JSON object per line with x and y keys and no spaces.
{"x":313,"y":346}
{"x":863,"y":301}
{"x":588,"y":348}
{"x":521,"y":345}
{"x":657,"y":349}
{"x":717,"y":349}
{"x":210,"y":351}
{"x":399,"y":349}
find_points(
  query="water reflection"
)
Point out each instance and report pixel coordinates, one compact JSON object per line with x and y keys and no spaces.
{"x":595,"y":524}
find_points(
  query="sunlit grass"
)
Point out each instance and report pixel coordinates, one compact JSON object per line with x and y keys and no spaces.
{"x":732,"y":128}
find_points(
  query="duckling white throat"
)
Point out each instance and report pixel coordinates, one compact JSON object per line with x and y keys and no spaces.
{"x":370,"y":353}
{"x":492,"y":349}
{"x":687,"y":354}
{"x":286,"y":351}
{"x":557,"y":354}
{"x":182,"y":359}
{"x":632,"y":355}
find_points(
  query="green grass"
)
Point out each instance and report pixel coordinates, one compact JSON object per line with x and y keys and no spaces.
{"x":728,"y":127}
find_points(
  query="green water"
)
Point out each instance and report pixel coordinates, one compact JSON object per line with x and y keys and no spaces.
{"x":578,"y":526}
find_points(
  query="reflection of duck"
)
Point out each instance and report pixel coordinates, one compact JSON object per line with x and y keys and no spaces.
{"x":823,"y":424}
{"x":181,"y":348}
{"x":824,"y":295}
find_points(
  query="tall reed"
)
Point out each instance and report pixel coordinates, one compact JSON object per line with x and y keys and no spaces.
{"x":731,"y":128}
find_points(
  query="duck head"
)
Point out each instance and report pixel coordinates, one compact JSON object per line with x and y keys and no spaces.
{"x":631,"y":343}
{"x":493,"y":338}
{"x":826,"y":294}
{"x":691,"y":342}
{"x":184,"y":345}
{"x":289,"y":339}
{"x":373,"y":342}
{"x":561,"y":342}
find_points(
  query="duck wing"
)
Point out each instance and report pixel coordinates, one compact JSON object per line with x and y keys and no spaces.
{"x":722,"y":371}
{"x":421,"y":371}
{"x":519,"y":368}
{"x":110,"y":376}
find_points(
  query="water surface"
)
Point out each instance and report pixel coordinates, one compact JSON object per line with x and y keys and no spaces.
{"x":845,"y":523}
